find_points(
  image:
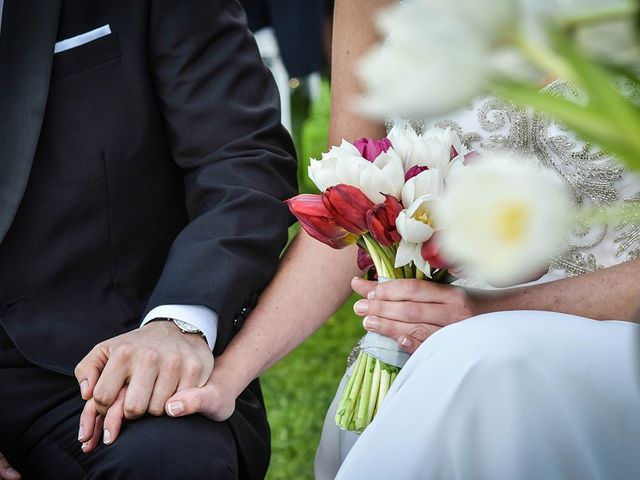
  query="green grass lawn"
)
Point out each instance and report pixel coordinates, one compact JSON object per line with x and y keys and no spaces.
{"x":299,"y":389}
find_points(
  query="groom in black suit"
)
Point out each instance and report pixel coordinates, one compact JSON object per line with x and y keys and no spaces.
{"x":142,"y":172}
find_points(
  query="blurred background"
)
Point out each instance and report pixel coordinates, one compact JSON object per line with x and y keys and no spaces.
{"x":294,"y":38}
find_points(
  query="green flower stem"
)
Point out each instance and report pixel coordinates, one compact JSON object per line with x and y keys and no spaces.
{"x":440,"y":276}
{"x":408,"y":271}
{"x":352,"y":419}
{"x":385,"y":382}
{"x":341,"y":411}
{"x":367,"y":383}
{"x":346,"y":408}
{"x":600,"y":15}
{"x":375,"y":391}
{"x":545,"y":58}
{"x":374,"y":254}
{"x":383,"y":266}
{"x":390,"y":253}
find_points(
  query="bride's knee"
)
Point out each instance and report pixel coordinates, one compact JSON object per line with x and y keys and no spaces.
{"x":492,"y":339}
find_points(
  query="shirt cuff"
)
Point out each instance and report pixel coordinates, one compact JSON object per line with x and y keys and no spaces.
{"x":199,"y":316}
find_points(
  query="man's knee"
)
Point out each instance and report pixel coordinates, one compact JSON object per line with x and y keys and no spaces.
{"x":161,"y":447}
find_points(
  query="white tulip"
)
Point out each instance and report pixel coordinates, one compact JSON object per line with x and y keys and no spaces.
{"x":442,"y":140}
{"x":432,"y":148}
{"x":440,"y":54}
{"x":419,"y":68}
{"x":429,"y":182}
{"x":340,"y":165}
{"x":384,"y":176}
{"x":415,"y":226}
{"x":404,"y":139}
{"x":503,"y":218}
{"x":344,"y":164}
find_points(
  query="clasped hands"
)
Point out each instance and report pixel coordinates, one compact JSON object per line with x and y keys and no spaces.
{"x":157,"y":369}
{"x":153,"y":369}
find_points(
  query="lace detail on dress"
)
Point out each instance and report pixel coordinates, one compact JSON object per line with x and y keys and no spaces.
{"x":587,"y":173}
{"x":628,"y":240}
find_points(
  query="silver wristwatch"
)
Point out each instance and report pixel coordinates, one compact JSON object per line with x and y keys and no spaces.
{"x":186,"y":327}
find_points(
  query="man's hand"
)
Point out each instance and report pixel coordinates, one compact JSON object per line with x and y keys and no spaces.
{"x":95,"y":427}
{"x":410,"y":311}
{"x":154,"y":362}
{"x":6,"y":471}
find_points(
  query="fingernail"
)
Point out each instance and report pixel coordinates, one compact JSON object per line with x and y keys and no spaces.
{"x":85,"y":445}
{"x":12,"y":472}
{"x":175,"y":408}
{"x":80,"y":432}
{"x":361,"y":306}
{"x":106,"y":437}
{"x":405,"y":342}
{"x":370,"y":323}
{"x":371,"y":295}
{"x":84,"y":384}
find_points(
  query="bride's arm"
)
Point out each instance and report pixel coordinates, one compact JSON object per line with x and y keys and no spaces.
{"x":411,"y":310}
{"x":353,"y":35}
{"x":310,"y":285}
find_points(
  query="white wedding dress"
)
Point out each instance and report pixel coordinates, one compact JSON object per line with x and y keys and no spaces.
{"x":516,"y":395}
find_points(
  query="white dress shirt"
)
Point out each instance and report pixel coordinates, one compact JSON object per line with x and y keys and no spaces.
{"x":201,"y":317}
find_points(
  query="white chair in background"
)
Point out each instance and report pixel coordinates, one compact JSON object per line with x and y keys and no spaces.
{"x":268,"y":46}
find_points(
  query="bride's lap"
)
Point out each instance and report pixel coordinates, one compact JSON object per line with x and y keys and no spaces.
{"x":522,"y":394}
{"x":524,"y":335}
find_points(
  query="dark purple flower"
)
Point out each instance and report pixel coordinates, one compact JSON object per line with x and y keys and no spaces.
{"x":370,"y":148}
{"x":414,"y":172}
{"x":365,"y":262}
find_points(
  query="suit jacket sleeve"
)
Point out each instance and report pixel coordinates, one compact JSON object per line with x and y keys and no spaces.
{"x":221,"y":109}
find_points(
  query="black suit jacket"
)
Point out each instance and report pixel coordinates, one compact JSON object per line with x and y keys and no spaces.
{"x":144,"y":168}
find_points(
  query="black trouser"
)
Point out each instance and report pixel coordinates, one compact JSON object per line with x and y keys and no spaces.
{"x":39,"y":419}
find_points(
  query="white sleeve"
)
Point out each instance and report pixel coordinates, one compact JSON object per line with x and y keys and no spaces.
{"x":201,"y":317}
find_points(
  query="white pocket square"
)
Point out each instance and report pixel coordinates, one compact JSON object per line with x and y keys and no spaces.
{"x":81,"y":39}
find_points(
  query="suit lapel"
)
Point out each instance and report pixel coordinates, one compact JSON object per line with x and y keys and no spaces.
{"x":27,"y":38}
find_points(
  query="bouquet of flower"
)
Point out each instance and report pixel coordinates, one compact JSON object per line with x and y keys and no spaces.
{"x":380,"y":194}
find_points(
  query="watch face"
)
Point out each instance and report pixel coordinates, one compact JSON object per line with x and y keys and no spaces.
{"x":186,"y":327}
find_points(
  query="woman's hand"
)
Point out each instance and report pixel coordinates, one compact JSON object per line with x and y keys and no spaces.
{"x":212,"y":400}
{"x":410,"y":311}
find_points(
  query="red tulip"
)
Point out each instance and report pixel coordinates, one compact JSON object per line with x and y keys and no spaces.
{"x":370,"y":148}
{"x":381,"y":221}
{"x":431,"y":252}
{"x":316,"y":220}
{"x":348,"y":206}
{"x":365,"y":262}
